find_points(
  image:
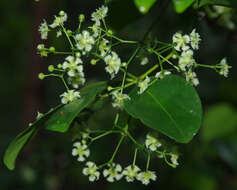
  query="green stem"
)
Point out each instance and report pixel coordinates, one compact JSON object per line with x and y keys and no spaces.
{"x":116,"y":149}
{"x":64,"y":82}
{"x":134,"y":158}
{"x":148,"y":161}
{"x":69,"y":40}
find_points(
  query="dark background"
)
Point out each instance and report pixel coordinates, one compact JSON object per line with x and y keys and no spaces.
{"x":207,"y":163}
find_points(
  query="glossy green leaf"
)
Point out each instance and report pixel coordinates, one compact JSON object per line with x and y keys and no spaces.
{"x":219,"y":121}
{"x":61,"y":120}
{"x":144,"y":5}
{"x":21,"y":139}
{"x":181,"y":5}
{"x":170,"y":106}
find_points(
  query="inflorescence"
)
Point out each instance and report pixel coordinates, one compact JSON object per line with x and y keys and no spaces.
{"x":97,"y":42}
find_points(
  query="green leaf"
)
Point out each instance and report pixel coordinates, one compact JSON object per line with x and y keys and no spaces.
{"x":61,"y":120}
{"x":144,"y":5}
{"x":21,"y":139}
{"x":219,"y":121}
{"x":170,"y":106}
{"x":181,"y":5}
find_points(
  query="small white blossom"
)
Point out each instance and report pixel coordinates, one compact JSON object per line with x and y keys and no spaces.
{"x":181,"y":41}
{"x":186,"y":60}
{"x":118,"y":99}
{"x":84,"y":41}
{"x":113,"y":64}
{"x":195,"y":39}
{"x":59,"y":33}
{"x":99,"y":14}
{"x":59,"y":20}
{"x":144,"y":61}
{"x":69,"y":96}
{"x":191,"y":77}
{"x":113,"y":172}
{"x":78,"y":79}
{"x":162,"y":74}
{"x":131,"y":172}
{"x":92,"y":171}
{"x":174,"y":159}
{"x":44,"y":29}
{"x":96,"y":30}
{"x":73,"y":66}
{"x":103,"y":47}
{"x":145,"y":177}
{"x":224,"y":70}
{"x":143,"y":85}
{"x":39,"y":115}
{"x":80,"y":150}
{"x":152,"y":143}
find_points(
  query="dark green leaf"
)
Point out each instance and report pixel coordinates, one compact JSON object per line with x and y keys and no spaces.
{"x":61,"y":120}
{"x":144,"y":5}
{"x":220,"y":120}
{"x":181,"y":5}
{"x":21,"y":139}
{"x":170,"y":106}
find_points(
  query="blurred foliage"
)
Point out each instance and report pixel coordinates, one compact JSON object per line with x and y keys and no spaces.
{"x":209,"y":162}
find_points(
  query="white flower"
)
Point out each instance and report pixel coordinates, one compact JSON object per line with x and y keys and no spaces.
{"x":195,"y":39}
{"x":103,"y":47}
{"x":186,"y":60}
{"x":145,"y":177}
{"x":162,"y":74}
{"x":131,"y":172}
{"x":118,"y":99}
{"x":224,"y":67}
{"x":92,"y":171}
{"x":113,"y":64}
{"x":174,"y":159}
{"x":44,"y":29}
{"x":144,"y":61}
{"x":84,"y":41}
{"x":113,"y":172}
{"x":152,"y":143}
{"x":73,"y":66}
{"x":69,"y":96}
{"x":78,"y":79}
{"x":59,"y":20}
{"x":59,"y":33}
{"x":95,"y":29}
{"x":39,"y":115}
{"x":191,"y":77}
{"x":80,"y":150}
{"x":181,"y":41}
{"x":99,"y":14}
{"x":143,"y":85}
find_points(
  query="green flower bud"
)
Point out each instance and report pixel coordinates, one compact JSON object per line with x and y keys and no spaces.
{"x":93,"y":61}
{"x":110,"y":32}
{"x":51,"y":68}
{"x":61,"y":13}
{"x":81,"y":17}
{"x":52,"y":49}
{"x":110,"y":88}
{"x":59,"y":66}
{"x":41,"y":76}
{"x":69,"y":32}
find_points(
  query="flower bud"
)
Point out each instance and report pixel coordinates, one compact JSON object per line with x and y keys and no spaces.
{"x":51,"y":68}
{"x":41,"y":76}
{"x":81,"y":17}
{"x":52,"y":49}
{"x":93,"y":61}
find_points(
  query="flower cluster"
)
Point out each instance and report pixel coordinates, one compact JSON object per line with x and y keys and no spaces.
{"x":96,"y":43}
{"x":183,"y":44}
